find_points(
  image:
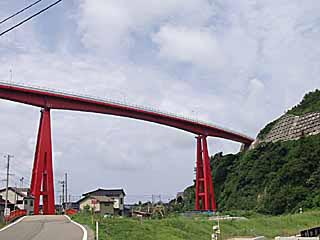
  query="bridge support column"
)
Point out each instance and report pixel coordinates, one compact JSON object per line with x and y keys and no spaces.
{"x":42,"y":173}
{"x":205,"y":199}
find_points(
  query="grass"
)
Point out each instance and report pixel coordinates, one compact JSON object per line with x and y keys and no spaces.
{"x":180,"y":228}
{"x":271,"y":227}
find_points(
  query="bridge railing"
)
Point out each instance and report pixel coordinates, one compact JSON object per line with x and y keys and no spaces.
{"x":15,"y":214}
{"x":119,"y":103}
{"x":71,"y":211}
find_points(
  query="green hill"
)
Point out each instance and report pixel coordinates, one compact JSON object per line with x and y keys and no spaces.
{"x":309,"y":103}
{"x":273,"y":178}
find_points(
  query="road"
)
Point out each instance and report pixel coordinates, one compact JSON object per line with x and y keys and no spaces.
{"x":43,"y":228}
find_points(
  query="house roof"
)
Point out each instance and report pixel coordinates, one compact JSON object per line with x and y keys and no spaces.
{"x":22,"y":189}
{"x":104,"y":199}
{"x":18,"y":191}
{"x":105,"y":192}
{"x":3,"y":201}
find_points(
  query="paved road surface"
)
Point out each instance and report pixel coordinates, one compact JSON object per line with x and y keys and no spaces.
{"x":43,"y":228}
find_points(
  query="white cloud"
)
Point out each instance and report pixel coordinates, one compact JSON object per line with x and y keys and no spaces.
{"x":195,"y":46}
{"x":109,"y":26}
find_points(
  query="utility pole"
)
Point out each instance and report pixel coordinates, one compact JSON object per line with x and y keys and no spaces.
{"x":7,"y":183}
{"x":15,"y":197}
{"x":60,"y":203}
{"x":66,"y":188}
{"x":62,"y":185}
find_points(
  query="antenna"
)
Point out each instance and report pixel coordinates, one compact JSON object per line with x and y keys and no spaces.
{"x":21,"y":181}
{"x":11,"y":73}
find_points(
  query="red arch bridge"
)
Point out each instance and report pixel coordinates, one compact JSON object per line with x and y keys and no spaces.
{"x":46,"y":99}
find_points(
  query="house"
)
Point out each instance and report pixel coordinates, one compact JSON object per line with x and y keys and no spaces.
{"x":2,"y":206}
{"x":104,"y":201}
{"x":19,"y":198}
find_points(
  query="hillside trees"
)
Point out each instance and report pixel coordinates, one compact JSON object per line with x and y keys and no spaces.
{"x":274,"y":178}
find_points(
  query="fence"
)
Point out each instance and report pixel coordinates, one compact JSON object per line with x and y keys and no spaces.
{"x":15,"y":214}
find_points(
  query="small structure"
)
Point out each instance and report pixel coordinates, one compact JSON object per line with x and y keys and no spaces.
{"x":140,"y":214}
{"x":312,"y":232}
{"x":104,"y":201}
{"x":19,"y":198}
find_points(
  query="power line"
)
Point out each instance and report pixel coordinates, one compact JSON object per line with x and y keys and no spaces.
{"x":20,"y":11}
{"x":29,"y":18}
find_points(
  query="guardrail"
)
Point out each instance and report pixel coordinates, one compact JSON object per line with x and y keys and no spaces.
{"x":71,"y":212}
{"x":15,"y":214}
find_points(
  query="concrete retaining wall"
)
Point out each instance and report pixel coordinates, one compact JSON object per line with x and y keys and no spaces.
{"x":290,"y":127}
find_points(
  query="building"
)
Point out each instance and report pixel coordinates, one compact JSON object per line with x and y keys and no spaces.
{"x":104,"y":201}
{"x":19,"y":198}
{"x":2,"y":206}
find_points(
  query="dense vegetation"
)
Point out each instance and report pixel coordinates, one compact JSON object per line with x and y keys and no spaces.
{"x":197,"y":228}
{"x":274,"y":178}
{"x":310,"y":103}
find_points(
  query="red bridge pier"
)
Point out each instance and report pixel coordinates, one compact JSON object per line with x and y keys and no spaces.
{"x":205,"y":199}
{"x":42,"y":173}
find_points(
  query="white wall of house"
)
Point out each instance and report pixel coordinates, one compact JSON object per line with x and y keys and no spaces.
{"x":12,"y":196}
{"x":88,"y":202}
{"x":118,"y":203}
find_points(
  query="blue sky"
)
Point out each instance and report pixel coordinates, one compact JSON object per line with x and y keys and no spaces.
{"x":238,"y":64}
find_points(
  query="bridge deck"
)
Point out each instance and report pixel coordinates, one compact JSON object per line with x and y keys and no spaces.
{"x":54,"y":99}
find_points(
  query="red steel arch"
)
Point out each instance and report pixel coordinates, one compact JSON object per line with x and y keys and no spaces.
{"x":52,"y":99}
